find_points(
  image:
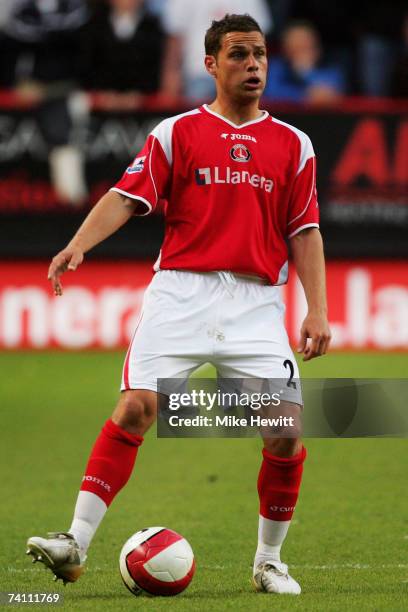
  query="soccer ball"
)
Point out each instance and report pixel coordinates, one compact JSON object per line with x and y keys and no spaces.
{"x":157,"y":561}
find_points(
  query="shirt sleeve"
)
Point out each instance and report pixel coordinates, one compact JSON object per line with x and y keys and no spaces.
{"x":303,"y":206}
{"x":147,"y":178}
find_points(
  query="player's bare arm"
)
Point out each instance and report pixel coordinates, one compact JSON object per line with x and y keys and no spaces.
{"x":308,"y":256}
{"x":111,"y":212}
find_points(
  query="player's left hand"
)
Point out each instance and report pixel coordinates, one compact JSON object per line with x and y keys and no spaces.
{"x":315,"y":336}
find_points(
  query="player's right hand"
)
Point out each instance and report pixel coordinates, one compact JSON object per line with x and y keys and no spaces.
{"x":67,"y":259}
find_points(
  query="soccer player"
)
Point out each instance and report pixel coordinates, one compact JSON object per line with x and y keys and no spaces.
{"x":239,"y":184}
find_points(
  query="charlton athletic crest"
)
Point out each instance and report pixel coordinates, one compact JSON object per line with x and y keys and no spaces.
{"x":240,"y":153}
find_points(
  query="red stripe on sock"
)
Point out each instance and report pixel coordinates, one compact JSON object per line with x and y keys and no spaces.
{"x":111,"y":462}
{"x":278,"y":484}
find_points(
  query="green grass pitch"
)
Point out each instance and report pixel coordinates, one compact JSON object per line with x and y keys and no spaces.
{"x":348,"y":545}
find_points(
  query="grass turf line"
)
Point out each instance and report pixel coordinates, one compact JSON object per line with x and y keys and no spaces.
{"x":352,"y":509}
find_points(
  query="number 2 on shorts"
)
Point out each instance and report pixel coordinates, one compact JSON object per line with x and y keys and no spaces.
{"x":288,"y":364}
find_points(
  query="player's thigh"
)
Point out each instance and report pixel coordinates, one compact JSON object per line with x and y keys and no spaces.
{"x":272,"y":372}
{"x":256,"y":343}
{"x":259,"y":359}
{"x":136,"y":410}
{"x":170,"y":341}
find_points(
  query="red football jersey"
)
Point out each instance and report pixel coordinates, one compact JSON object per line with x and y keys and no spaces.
{"x":234,"y":192}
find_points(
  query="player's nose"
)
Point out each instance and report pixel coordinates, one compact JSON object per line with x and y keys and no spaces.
{"x":253,"y":64}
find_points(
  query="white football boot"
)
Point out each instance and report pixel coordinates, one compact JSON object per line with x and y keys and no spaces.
{"x":273,"y":577}
{"x":60,"y":553}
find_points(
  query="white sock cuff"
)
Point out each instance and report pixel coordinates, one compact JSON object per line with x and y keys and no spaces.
{"x":89,"y":512}
{"x":272,"y":533}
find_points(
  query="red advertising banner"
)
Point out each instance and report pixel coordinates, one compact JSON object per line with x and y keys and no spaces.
{"x":368,"y":305}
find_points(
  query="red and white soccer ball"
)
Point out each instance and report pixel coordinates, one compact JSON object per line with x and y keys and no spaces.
{"x":157,"y":561}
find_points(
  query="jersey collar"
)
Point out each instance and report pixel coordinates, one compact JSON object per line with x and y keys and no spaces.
{"x":264,"y":115}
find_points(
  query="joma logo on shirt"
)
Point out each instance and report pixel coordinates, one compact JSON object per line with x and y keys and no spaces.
{"x":239,"y":137}
{"x":216,"y":175}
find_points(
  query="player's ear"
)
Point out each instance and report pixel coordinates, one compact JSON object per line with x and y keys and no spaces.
{"x":210,"y":63}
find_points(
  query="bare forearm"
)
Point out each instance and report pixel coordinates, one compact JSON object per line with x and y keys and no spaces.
{"x":308,"y":256}
{"x":108,"y":215}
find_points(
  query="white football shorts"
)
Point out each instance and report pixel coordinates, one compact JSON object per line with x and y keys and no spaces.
{"x":232,"y":321}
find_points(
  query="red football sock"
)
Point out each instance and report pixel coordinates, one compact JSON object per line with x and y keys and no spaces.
{"x":278,"y":484}
{"x":111,"y":462}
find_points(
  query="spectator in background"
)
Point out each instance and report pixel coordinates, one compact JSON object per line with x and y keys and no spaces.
{"x":121,"y":52}
{"x":378,"y":25}
{"x":300,"y":74}
{"x":335,"y":24}
{"x":185,"y":23}
{"x":40,"y":42}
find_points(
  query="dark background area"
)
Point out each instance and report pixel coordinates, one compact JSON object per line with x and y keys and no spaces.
{"x":364,"y":217}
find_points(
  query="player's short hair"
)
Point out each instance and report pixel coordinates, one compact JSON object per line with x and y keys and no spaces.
{"x":229,"y":23}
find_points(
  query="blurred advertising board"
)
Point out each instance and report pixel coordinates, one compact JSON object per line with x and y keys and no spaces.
{"x":368,"y":305}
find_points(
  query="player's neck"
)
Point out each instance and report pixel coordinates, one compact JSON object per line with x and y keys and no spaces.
{"x":236,"y":113}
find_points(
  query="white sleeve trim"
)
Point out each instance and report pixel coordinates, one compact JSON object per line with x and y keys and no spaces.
{"x":306,"y":147}
{"x":310,"y":195}
{"x":306,"y":152}
{"x":164,"y":132}
{"x":151,"y":173}
{"x":302,"y":227}
{"x":135,"y":197}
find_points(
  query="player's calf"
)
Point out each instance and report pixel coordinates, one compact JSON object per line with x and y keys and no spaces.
{"x":278,"y":487}
{"x":283,"y":447}
{"x":282,"y":439}
{"x":107,"y":472}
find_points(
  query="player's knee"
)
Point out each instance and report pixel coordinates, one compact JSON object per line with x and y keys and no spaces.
{"x":136,"y":411}
{"x":283,"y":447}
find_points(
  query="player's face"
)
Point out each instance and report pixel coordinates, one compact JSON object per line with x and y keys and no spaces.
{"x":240,"y":66}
